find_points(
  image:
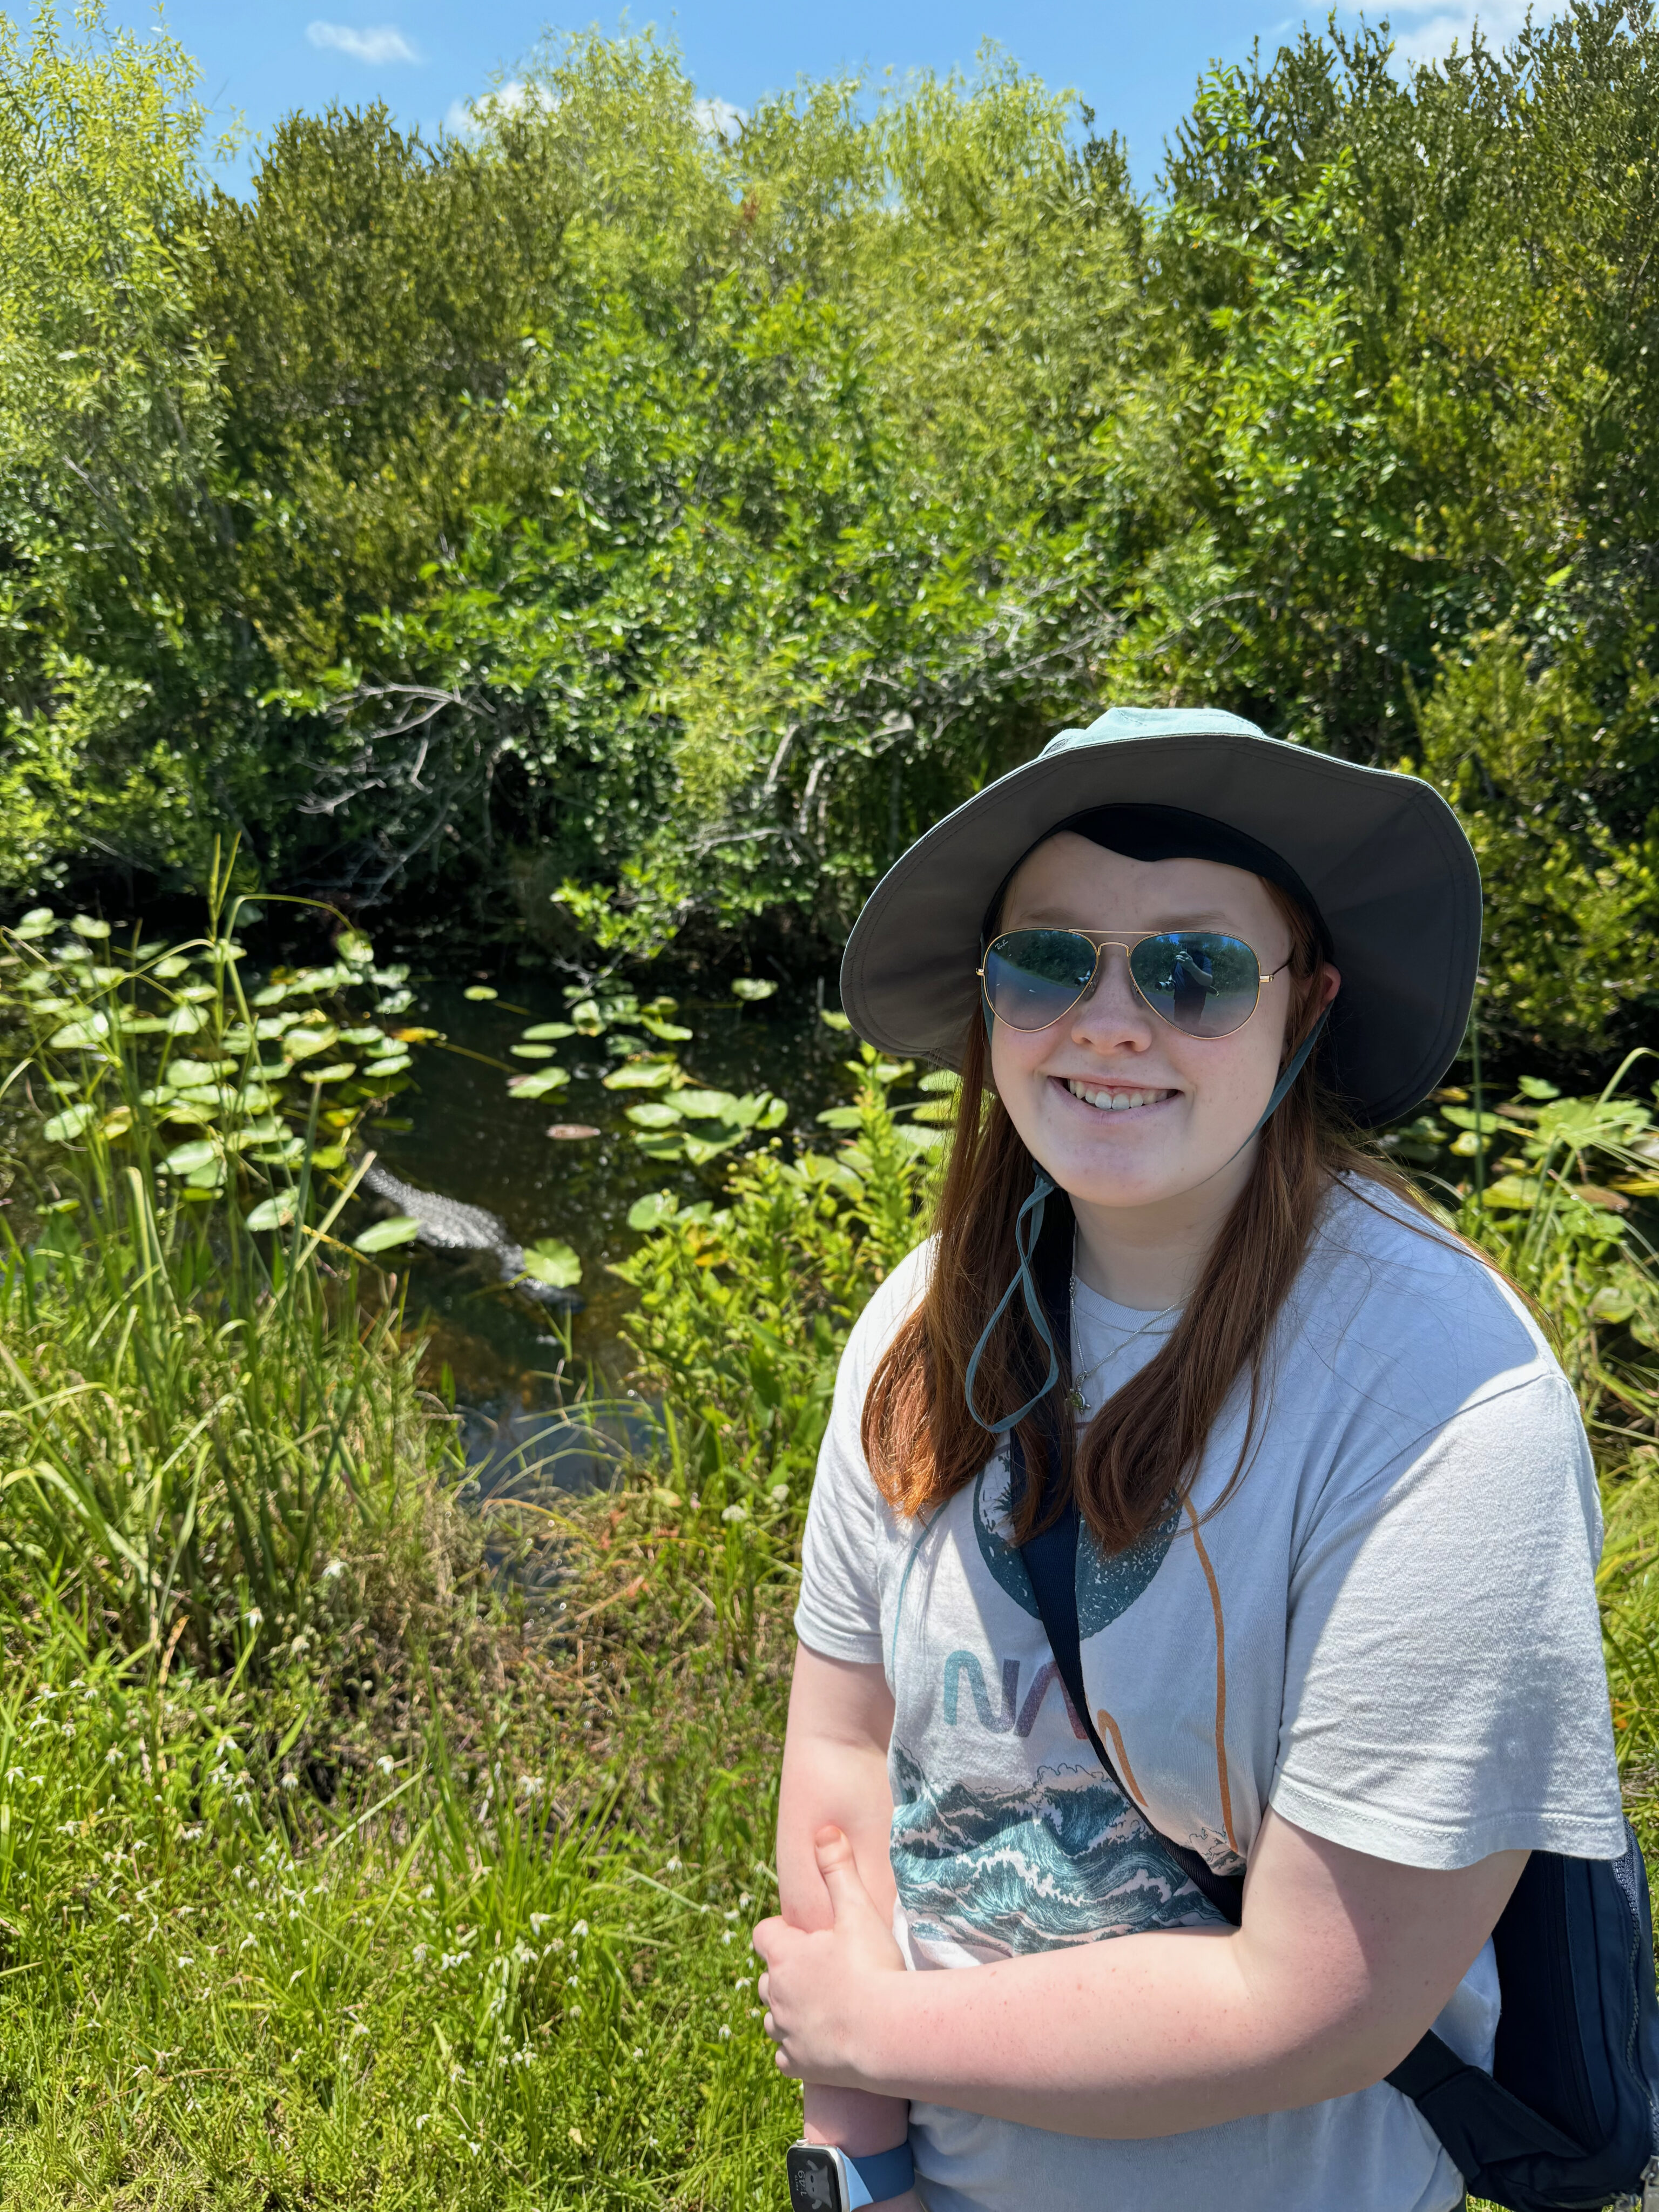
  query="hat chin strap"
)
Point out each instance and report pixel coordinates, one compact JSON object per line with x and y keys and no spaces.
{"x":1028,"y":1227}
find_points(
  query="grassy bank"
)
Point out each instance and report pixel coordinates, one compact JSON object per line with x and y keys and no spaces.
{"x":338,"y":1868}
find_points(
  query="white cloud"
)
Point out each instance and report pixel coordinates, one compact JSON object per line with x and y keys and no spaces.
{"x":1439,"y":26}
{"x":384,"y":44}
{"x":719,"y":117}
{"x":466,"y":118}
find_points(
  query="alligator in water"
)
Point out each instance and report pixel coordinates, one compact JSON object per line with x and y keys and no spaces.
{"x":448,"y":1226}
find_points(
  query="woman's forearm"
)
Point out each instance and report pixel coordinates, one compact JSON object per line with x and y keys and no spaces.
{"x":857,"y":2121}
{"x":1341,"y":1964}
{"x":1145,"y":2035}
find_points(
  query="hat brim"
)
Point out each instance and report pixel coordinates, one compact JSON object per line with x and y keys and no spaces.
{"x":1383,"y":855}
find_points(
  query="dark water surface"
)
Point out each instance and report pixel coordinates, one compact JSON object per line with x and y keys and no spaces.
{"x":469,"y":1139}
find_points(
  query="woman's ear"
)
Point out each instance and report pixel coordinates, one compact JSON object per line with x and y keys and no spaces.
{"x":1330,"y":982}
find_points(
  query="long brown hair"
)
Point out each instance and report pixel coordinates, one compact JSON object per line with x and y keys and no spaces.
{"x":1139,"y":1456}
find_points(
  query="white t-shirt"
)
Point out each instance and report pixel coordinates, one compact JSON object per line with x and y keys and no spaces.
{"x":1389,"y":1633}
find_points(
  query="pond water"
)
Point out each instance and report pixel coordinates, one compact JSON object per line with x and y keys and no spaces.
{"x":512,"y":1362}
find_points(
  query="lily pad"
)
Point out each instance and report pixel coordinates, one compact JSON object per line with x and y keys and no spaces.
{"x":655,"y":1114}
{"x":706,"y":1105}
{"x":552,"y":1261}
{"x":550,"y":1032}
{"x":480,"y":991}
{"x":752,"y":988}
{"x":383,"y":1236}
{"x":69,"y":1123}
{"x":394,"y":1065}
{"x":81,"y":1035}
{"x":304,"y":1043}
{"x":643,"y":1075}
{"x":184,"y":1159}
{"x":531,"y":1051}
{"x":538,"y":1083}
{"x":274,"y":1213}
{"x":85,"y":925}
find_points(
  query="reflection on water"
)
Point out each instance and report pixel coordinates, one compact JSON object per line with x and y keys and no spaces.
{"x":514,"y":1364}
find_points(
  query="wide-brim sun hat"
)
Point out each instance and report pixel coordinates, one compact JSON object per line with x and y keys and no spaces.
{"x":1383,"y":858}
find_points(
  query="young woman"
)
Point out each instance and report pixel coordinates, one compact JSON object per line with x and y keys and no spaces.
{"x":1339,"y":1523}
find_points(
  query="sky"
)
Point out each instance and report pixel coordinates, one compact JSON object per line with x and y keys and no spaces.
{"x":1135,"y":63}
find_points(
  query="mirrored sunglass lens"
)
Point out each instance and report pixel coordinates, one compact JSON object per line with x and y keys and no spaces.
{"x":1033,"y":976}
{"x":1202,"y":984}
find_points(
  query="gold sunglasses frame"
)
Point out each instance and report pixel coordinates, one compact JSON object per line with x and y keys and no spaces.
{"x":1103,"y":943}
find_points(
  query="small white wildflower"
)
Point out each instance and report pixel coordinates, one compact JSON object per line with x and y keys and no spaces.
{"x":334,"y":1567}
{"x":69,"y":1728}
{"x":429,"y":1890}
{"x":673,"y":1867}
{"x":580,"y":1928}
{"x":120,"y":1917}
{"x":743,"y":1897}
{"x":419,"y":1954}
{"x":190,"y":1835}
{"x":294,"y":1976}
{"x":247,"y":1941}
{"x":727,"y":1934}
{"x":114,"y":1755}
{"x":187,"y":1960}
{"x":386,"y":1765}
{"x":358,"y":2028}
{"x":539,"y":1921}
{"x":14,"y":1774}
{"x":253,"y":1616}
{"x":290,"y":1782}
{"x":726,"y":2035}
{"x":66,"y":1827}
{"x":779,"y":1492}
{"x":421,"y":2120}
{"x":570,"y":1981}
{"x":638,"y":2053}
{"x":532,"y":1784}
{"x":575,"y":2012}
{"x":734,"y":1513}
{"x":524,"y":1955}
{"x":730,"y":1916}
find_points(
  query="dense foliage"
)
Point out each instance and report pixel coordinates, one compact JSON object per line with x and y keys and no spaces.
{"x":662,"y":522}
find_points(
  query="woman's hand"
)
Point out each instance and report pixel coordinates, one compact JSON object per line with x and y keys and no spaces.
{"x":820,"y":1989}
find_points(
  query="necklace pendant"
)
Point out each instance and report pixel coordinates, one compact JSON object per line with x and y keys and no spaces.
{"x":1076,"y":1400}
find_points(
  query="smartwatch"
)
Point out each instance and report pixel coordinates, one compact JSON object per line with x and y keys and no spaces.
{"x":824,"y":2179}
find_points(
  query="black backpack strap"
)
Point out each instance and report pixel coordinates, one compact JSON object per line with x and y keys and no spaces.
{"x":1479,"y":2123}
{"x":1050,"y":1556}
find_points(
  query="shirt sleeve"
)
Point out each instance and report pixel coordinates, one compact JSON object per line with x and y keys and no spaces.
{"x":1445,"y":1695}
{"x":839,"y":1614}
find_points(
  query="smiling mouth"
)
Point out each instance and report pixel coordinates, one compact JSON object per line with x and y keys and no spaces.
{"x":1115,"y":1102}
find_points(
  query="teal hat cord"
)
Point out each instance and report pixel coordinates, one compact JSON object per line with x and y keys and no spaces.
{"x":1028,"y":1227}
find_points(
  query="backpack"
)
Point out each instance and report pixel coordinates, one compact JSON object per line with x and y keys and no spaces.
{"x":1568,"y":2119}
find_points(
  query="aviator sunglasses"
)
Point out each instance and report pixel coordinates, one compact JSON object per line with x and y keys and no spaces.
{"x":1204,"y":984}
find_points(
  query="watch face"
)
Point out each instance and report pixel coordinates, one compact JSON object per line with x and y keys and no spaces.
{"x":814,"y":2179}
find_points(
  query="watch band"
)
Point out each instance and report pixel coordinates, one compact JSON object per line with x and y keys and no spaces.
{"x":886,"y":2173}
{"x":823,"y":2177}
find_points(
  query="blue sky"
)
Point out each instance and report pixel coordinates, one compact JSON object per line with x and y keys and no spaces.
{"x":1135,"y":63}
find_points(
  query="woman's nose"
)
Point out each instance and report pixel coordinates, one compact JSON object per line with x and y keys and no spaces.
{"x":1113,"y":1016}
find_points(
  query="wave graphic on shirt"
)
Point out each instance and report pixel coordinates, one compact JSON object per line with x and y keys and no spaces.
{"x":1063,"y":1858}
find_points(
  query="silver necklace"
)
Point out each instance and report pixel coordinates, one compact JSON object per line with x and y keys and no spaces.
{"x":1076,"y":1397}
